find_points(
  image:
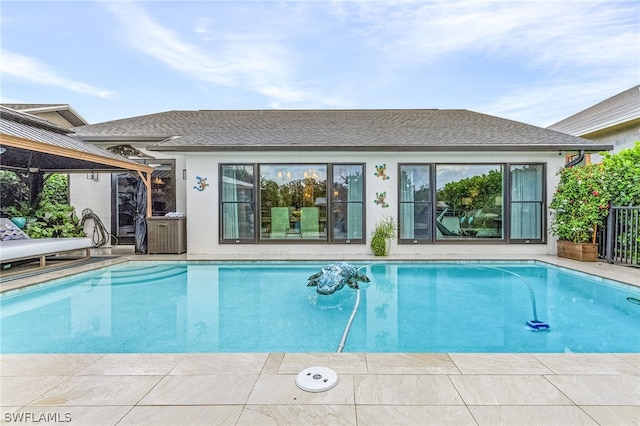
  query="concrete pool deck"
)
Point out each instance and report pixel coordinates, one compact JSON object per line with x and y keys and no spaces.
{"x":373,"y":388}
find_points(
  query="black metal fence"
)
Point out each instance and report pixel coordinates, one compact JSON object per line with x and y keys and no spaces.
{"x":619,"y":240}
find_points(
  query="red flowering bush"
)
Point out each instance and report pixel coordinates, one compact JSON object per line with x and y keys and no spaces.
{"x":580,"y":204}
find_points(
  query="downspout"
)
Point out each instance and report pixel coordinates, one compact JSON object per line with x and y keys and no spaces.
{"x":576,"y":160}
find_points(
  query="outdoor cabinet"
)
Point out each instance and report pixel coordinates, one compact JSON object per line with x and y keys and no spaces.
{"x":166,"y":235}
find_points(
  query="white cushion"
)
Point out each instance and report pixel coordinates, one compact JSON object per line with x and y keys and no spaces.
{"x":20,"y":249}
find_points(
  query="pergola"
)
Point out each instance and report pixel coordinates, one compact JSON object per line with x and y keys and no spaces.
{"x":36,"y":146}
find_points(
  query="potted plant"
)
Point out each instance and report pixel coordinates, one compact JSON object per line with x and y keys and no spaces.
{"x":579,"y":205}
{"x":20,"y":212}
{"x":383,"y":232}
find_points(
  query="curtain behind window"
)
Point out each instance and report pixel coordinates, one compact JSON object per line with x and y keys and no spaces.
{"x":526,"y":201}
{"x":354,"y":203}
{"x":237,"y":202}
{"x":407,"y":197}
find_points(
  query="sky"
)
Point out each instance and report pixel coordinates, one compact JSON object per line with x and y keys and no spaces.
{"x":533,"y":61}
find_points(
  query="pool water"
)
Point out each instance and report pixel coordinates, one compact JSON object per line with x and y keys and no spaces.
{"x":164,"y":307}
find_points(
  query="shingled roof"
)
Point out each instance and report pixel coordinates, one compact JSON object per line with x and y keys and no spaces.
{"x":63,"y":110}
{"x":337,"y":130}
{"x":622,"y":109}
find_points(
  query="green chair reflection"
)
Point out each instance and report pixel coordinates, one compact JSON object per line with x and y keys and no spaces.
{"x":309,"y":221}
{"x":279,"y":221}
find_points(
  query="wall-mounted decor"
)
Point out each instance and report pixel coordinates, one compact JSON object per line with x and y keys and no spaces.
{"x":202,"y":183}
{"x":380,"y":196}
{"x":381,"y":172}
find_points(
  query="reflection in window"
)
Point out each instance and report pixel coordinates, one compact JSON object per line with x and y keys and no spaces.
{"x":415,"y":202}
{"x":526,"y":201}
{"x":293,"y":201}
{"x":347,"y":201}
{"x":237,"y":198}
{"x":469,"y":201}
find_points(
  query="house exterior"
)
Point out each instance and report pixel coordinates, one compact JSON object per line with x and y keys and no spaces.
{"x":293,"y":182}
{"x":62,"y":115}
{"x":614,"y":121}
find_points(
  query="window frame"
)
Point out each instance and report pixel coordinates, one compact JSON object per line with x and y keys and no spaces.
{"x":257,"y":203}
{"x":221,"y":204}
{"x":362,"y":202}
{"x":506,"y":205}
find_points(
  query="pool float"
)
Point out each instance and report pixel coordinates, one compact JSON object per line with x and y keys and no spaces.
{"x":333,"y":277}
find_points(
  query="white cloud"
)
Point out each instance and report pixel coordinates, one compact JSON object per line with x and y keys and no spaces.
{"x":539,"y":32}
{"x":544,"y":105}
{"x":30,"y":69}
{"x":574,"y":51}
{"x":253,"y":62}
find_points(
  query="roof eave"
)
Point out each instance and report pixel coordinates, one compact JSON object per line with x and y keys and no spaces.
{"x":404,"y":148}
{"x":111,"y":139}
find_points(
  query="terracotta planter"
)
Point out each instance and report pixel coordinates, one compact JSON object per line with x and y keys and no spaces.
{"x":585,"y":252}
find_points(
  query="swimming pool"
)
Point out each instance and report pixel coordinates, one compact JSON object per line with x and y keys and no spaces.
{"x":163,"y":307}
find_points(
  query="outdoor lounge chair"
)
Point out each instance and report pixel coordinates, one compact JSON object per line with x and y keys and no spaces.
{"x":16,"y":245}
{"x":451,"y":229}
{"x":447,"y":232}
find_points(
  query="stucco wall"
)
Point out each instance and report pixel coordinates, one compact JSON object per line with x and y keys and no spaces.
{"x":96,"y":194}
{"x":91,"y":194}
{"x":619,"y":138}
{"x":202,"y":206}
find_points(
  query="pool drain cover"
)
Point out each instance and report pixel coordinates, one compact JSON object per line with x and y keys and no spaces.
{"x":317,"y":379}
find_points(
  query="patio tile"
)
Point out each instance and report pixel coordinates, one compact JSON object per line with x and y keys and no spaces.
{"x":599,"y":389}
{"x":508,"y":390}
{"x":633,"y":359}
{"x":414,"y":415}
{"x":133,"y":364}
{"x":182,"y":415}
{"x":530,"y":415}
{"x":413,"y":363}
{"x":45,"y":364}
{"x":201,"y":390}
{"x":613,"y":415}
{"x":586,"y":364}
{"x":282,"y":390}
{"x":19,"y":391}
{"x":405,"y":390}
{"x":298,"y":414}
{"x":220,"y":363}
{"x":272,"y":365}
{"x":94,"y":416}
{"x":498,"y":364}
{"x":98,"y":390}
{"x":341,"y":363}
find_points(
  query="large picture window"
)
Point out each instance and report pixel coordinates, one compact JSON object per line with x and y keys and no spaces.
{"x":470,"y":201}
{"x":293,"y":201}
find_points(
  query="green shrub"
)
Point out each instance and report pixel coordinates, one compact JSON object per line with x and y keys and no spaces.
{"x":55,"y":221}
